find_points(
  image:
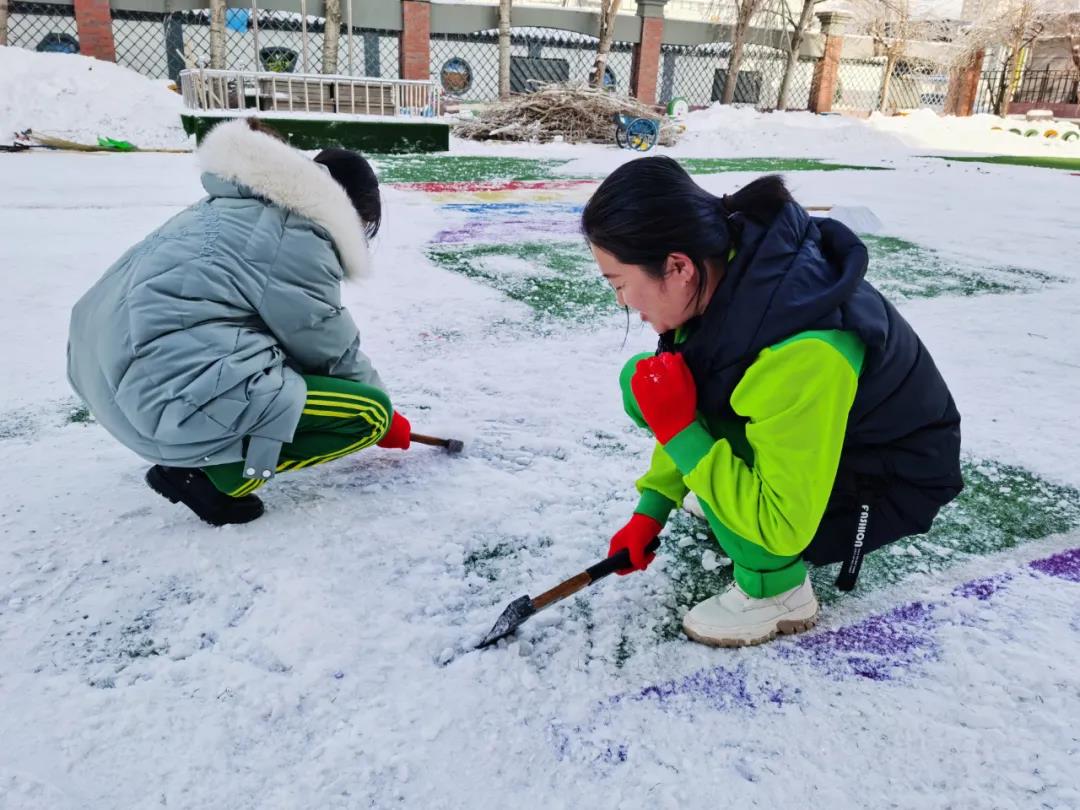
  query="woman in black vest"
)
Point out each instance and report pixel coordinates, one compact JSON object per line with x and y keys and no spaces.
{"x":790,"y":401}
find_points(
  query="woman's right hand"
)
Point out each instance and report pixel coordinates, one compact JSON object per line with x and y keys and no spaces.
{"x":634,"y":537}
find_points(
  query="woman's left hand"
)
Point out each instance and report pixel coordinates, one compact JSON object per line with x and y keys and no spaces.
{"x":666,"y":394}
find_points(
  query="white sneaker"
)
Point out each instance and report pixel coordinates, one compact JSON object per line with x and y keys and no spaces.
{"x":692,"y":505}
{"x":733,"y":619}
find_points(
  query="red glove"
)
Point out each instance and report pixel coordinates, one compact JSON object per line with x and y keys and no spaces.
{"x":635,"y":535}
{"x":397,"y":436}
{"x":666,"y":394}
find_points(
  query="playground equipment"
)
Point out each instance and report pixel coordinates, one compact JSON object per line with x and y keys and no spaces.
{"x":639,"y":134}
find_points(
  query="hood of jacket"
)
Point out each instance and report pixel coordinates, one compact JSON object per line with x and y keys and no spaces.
{"x":238,"y":161}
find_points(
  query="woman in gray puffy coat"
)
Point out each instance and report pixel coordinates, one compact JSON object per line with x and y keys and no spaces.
{"x":217,"y":348}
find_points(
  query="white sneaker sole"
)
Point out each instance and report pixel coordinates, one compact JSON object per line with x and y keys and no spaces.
{"x":784,"y":627}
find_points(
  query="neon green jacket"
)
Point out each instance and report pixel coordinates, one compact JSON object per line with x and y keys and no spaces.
{"x":767,"y":477}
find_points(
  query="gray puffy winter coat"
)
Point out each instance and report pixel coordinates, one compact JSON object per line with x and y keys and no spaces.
{"x":197,"y":336}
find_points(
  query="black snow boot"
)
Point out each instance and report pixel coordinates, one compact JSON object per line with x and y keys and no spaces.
{"x":192,"y":488}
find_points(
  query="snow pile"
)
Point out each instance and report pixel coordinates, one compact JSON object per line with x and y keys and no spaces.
{"x":80,"y":98}
{"x":727,"y":131}
{"x":926,"y":130}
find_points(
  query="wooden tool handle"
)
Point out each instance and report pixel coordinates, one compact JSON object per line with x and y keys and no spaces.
{"x":561,"y":591}
{"x":590,"y":575}
{"x":434,"y":441}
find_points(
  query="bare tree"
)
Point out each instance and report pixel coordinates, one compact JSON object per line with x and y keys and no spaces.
{"x":1072,"y":34}
{"x":3,"y":21}
{"x":1010,"y":27}
{"x":608,"y":10}
{"x":798,"y":34}
{"x":892,"y":24}
{"x":744,"y":14}
{"x":217,"y":34}
{"x":331,"y":36}
{"x":504,"y":49}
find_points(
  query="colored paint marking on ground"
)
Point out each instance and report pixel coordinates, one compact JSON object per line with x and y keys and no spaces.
{"x":904,"y":270}
{"x":427,"y":168}
{"x":1000,"y":508}
{"x":540,"y":260}
{"x":767,"y":165}
{"x":556,"y":279}
{"x":503,"y":222}
{"x":883,"y":648}
{"x":1038,"y":162}
{"x":442,"y":173}
{"x":489,"y":186}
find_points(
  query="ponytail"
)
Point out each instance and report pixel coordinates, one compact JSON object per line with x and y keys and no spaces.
{"x":760,"y":200}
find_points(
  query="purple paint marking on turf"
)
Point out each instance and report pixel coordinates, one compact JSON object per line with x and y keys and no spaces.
{"x":481,"y":231}
{"x":1065,"y":565}
{"x":877,"y":647}
{"x":720,"y":688}
{"x":982,"y":589}
{"x":498,"y":223}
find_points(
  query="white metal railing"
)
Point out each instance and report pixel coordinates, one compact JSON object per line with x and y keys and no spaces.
{"x":257,"y":91}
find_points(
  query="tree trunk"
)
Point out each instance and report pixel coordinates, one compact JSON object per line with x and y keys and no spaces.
{"x":608,"y":10}
{"x":331,"y":36}
{"x":504,"y":49}
{"x":744,"y":12}
{"x":886,"y":81}
{"x":217,"y":34}
{"x":3,"y":21}
{"x":1012,"y":64}
{"x":797,"y":36}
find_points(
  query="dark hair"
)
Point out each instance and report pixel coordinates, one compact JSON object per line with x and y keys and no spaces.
{"x":650,"y":208}
{"x":356,"y":176}
{"x":258,"y":125}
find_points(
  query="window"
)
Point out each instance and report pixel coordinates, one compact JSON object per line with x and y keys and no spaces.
{"x":456,"y":76}
{"x":58,"y":43}
{"x":278,"y":59}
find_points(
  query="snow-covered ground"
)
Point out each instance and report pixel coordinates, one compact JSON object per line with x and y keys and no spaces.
{"x":319,"y":657}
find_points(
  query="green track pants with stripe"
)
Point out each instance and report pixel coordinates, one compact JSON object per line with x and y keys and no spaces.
{"x":759,"y":572}
{"x":340,"y":417}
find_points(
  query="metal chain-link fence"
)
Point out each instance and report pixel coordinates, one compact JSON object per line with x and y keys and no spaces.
{"x":142,"y":40}
{"x":48,"y":27}
{"x":467,"y":65}
{"x":697,"y":74}
{"x":914,"y":84}
{"x":158,"y":45}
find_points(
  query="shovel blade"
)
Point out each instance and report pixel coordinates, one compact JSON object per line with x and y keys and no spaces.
{"x":511,"y":619}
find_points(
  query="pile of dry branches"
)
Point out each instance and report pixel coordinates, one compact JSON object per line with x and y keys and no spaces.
{"x":576,"y":112}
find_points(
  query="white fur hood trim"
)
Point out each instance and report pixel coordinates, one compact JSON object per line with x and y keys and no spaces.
{"x":287,"y":177}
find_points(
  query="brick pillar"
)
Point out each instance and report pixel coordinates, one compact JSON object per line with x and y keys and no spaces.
{"x":646,"y":60}
{"x":415,"y":50}
{"x":94,"y":22}
{"x":964,"y":86}
{"x":823,"y":87}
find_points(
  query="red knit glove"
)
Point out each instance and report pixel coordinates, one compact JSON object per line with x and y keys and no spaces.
{"x":666,"y":394}
{"x":397,"y":437}
{"x":635,"y":535}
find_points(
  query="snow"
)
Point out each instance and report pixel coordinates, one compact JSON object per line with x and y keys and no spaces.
{"x":320,"y":656}
{"x":80,"y":99}
{"x":925,"y":130}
